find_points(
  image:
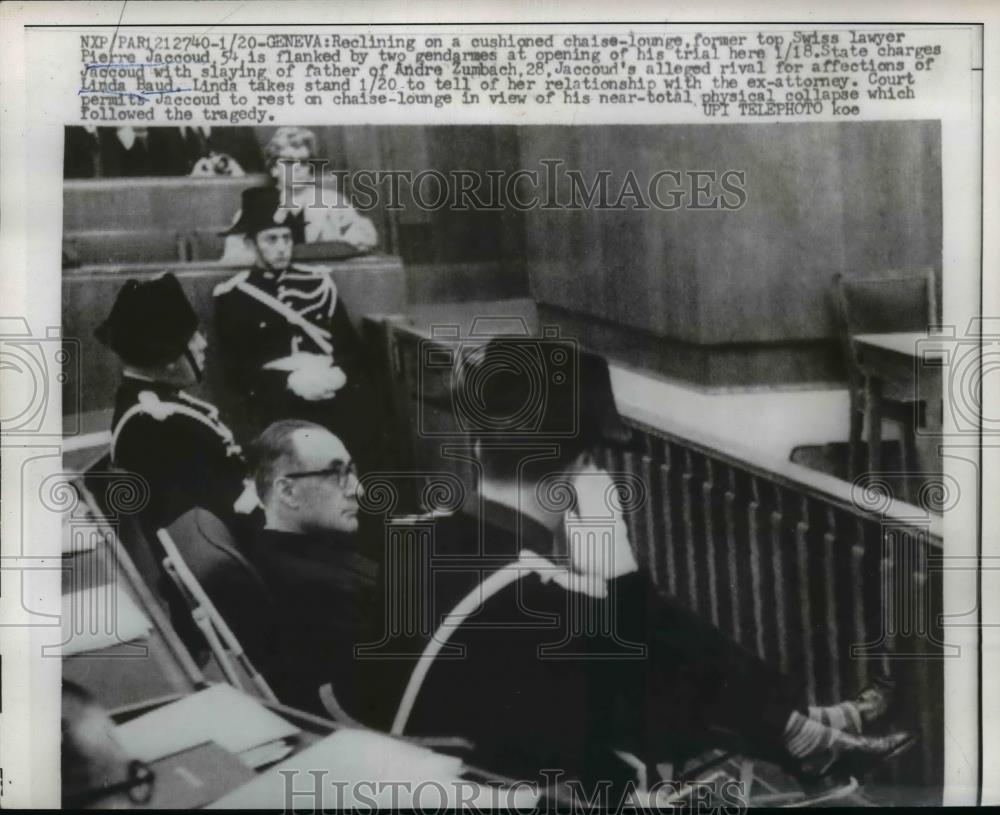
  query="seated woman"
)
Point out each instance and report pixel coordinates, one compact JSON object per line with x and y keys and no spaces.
{"x":289,"y":156}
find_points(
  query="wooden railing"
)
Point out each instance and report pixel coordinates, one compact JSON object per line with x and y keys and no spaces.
{"x":833,"y":583}
{"x":831,"y":591}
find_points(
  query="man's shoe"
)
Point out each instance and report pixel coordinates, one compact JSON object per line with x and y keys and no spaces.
{"x":876,"y":700}
{"x":851,"y":755}
{"x":855,"y":715}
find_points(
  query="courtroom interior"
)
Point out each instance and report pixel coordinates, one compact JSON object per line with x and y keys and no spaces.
{"x":274,"y":386}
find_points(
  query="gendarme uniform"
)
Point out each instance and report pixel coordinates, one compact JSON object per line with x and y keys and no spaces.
{"x":180,"y":446}
{"x":175,"y":441}
{"x":264,"y":317}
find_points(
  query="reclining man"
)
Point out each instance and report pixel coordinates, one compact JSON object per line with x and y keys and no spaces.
{"x":555,"y":652}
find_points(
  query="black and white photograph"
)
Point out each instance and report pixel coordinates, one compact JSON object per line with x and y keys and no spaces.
{"x":506,"y":462}
{"x":580,"y":484}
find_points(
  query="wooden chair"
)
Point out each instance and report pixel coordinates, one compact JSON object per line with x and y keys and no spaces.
{"x":217,"y":583}
{"x":873,"y":305}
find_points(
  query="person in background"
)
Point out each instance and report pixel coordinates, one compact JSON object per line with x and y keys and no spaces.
{"x":309,"y":555}
{"x":220,"y":151}
{"x":200,"y":150}
{"x":175,"y":441}
{"x":287,"y":338}
{"x":82,"y":152}
{"x":288,"y":155}
{"x":140,"y":151}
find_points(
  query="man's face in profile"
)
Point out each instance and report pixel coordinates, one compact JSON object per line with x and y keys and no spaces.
{"x":274,"y":248}
{"x":328,"y":490}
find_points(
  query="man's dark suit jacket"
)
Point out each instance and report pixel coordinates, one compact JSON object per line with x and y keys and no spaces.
{"x":323,"y":592}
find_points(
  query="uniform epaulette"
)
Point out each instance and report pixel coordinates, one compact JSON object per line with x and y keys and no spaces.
{"x":314,"y":268}
{"x":229,"y":285}
{"x":152,"y":405}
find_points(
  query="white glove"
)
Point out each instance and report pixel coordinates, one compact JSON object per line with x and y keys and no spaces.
{"x":596,"y":531}
{"x":314,"y":383}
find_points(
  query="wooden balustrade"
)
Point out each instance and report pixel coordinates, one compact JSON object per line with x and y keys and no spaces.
{"x":828,"y":590}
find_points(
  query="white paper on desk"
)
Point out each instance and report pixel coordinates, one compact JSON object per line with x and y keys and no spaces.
{"x":99,"y":617}
{"x":220,"y":713}
{"x":265,"y":754}
{"x":353,"y":757}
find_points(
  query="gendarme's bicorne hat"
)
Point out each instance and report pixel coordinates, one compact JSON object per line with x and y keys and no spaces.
{"x":150,"y":323}
{"x":261,"y":209}
{"x":522,"y":388}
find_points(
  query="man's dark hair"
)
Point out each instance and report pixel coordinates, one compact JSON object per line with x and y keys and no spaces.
{"x":273,"y":450}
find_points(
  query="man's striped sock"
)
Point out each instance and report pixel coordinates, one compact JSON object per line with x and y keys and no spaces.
{"x":846,"y":716}
{"x":805,"y":736}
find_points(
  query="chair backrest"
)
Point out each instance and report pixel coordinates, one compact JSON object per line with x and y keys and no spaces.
{"x":210,"y":551}
{"x":108,"y":485}
{"x":232,"y":583}
{"x":893,"y":301}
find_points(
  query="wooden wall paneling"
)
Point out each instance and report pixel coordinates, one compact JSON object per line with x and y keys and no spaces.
{"x":821,"y":198}
{"x":757,"y":266}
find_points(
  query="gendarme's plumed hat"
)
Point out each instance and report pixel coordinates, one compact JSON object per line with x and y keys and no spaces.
{"x":261,"y":210}
{"x":150,"y":322}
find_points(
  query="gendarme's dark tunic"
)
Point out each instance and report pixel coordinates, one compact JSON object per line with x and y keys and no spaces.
{"x":517,"y":678}
{"x":252,"y":334}
{"x":549,"y":676}
{"x":179,"y":445}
